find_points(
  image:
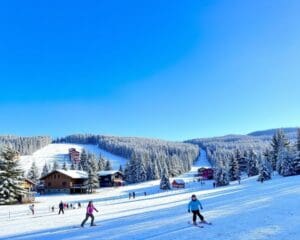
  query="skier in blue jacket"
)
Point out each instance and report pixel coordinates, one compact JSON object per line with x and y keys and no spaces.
{"x":195,"y":206}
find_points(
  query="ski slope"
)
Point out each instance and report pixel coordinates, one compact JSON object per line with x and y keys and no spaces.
{"x":250,"y":211}
{"x":59,"y":153}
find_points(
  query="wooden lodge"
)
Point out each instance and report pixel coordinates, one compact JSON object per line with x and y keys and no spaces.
{"x":74,"y":155}
{"x":29,"y":187}
{"x":65,"y":181}
{"x":111,"y":178}
{"x":178,"y":183}
{"x":206,"y":173}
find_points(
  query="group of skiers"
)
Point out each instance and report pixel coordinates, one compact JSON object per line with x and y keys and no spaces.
{"x":194,"y":206}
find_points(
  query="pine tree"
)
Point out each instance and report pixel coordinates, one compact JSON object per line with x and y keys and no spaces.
{"x":265,"y":169}
{"x":64,"y":167}
{"x":120,"y":168}
{"x":221,"y":176}
{"x":165,"y":182}
{"x":11,"y":177}
{"x":101,"y":163}
{"x":33,"y":173}
{"x":45,"y":170}
{"x":72,"y":167}
{"x":84,"y":160}
{"x":279,"y":141}
{"x":108,"y":166}
{"x":93,"y":181}
{"x":286,"y":161}
{"x":253,"y":168}
{"x":296,"y":162}
{"x":234,"y":172}
{"x":55,"y":166}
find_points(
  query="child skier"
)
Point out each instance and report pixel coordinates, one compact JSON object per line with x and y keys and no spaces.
{"x":31,"y":207}
{"x":89,"y":213}
{"x":194,"y":206}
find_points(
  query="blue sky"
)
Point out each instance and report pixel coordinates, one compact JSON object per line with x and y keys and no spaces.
{"x":173,"y":70}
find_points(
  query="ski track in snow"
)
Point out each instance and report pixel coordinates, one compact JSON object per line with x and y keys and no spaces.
{"x":250,"y":211}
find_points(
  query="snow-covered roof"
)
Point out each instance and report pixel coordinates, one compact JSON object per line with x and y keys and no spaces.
{"x":74,"y":174}
{"x":105,"y":173}
{"x":179,"y":181}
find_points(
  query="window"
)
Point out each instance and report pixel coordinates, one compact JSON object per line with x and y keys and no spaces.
{"x":64,"y":184}
{"x":49,"y":184}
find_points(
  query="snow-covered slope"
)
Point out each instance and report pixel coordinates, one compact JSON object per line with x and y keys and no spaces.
{"x":59,"y":153}
{"x":250,"y":211}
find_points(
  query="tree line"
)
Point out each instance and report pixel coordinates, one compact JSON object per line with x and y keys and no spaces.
{"x":148,"y":158}
{"x":254,"y":157}
{"x":25,"y":145}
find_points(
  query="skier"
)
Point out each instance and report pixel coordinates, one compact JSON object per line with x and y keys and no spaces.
{"x":133,"y":195}
{"x":89,"y":213}
{"x":129,"y":195}
{"x":61,"y":208}
{"x":31,"y":207}
{"x":194,"y":206}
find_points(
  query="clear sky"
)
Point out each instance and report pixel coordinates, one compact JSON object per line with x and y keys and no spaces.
{"x":165,"y":69}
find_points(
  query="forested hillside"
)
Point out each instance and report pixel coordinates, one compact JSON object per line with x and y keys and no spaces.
{"x":149,"y":158}
{"x":25,"y":145}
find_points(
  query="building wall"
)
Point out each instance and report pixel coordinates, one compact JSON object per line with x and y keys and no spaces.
{"x":58,"y":181}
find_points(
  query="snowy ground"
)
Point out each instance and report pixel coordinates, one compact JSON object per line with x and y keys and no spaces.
{"x":250,"y":211}
{"x":59,"y":153}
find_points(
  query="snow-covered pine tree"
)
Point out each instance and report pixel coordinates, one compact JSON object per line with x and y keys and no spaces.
{"x":93,"y":181}
{"x":234,"y":172}
{"x":108,"y":166}
{"x":265,"y":169}
{"x":11,"y":177}
{"x":296,"y":162}
{"x":165,"y":182}
{"x":84,"y":160}
{"x":279,"y":141}
{"x":221,"y":175}
{"x":287,"y":163}
{"x":241,"y":160}
{"x":101,"y":163}
{"x":93,"y":164}
{"x":45,"y":170}
{"x":141,"y":172}
{"x":253,"y":168}
{"x":33,"y":173}
{"x":120,"y":168}
{"x":55,"y":166}
{"x":64,"y":167}
{"x":72,"y":167}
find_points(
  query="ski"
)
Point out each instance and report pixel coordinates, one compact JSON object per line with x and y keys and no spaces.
{"x":199,"y":226}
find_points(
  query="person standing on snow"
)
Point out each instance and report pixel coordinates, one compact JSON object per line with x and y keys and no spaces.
{"x":61,"y":208}
{"x":195,"y":206}
{"x":89,"y":213}
{"x":31,"y":207}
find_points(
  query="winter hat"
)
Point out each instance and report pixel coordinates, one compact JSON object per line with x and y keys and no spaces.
{"x":193,"y":196}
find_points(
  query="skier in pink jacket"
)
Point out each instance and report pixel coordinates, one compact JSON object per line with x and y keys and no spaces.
{"x":89,"y":213}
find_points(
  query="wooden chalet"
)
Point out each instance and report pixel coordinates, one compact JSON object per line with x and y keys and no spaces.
{"x":178,"y":183}
{"x":67,"y":181}
{"x":29,"y":195}
{"x":110,"y":178}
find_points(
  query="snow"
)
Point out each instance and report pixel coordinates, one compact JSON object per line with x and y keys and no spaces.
{"x":75,"y":174}
{"x":249,"y":211}
{"x":60,"y":153}
{"x":105,"y":173}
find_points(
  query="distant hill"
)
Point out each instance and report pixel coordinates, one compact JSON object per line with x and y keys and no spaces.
{"x":290,"y":132}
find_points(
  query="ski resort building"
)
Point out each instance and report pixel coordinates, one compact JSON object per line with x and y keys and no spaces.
{"x":111,"y":178}
{"x":206,"y":173}
{"x":68,"y":181}
{"x":29,"y":187}
{"x":178,"y":183}
{"x":74,"y":155}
